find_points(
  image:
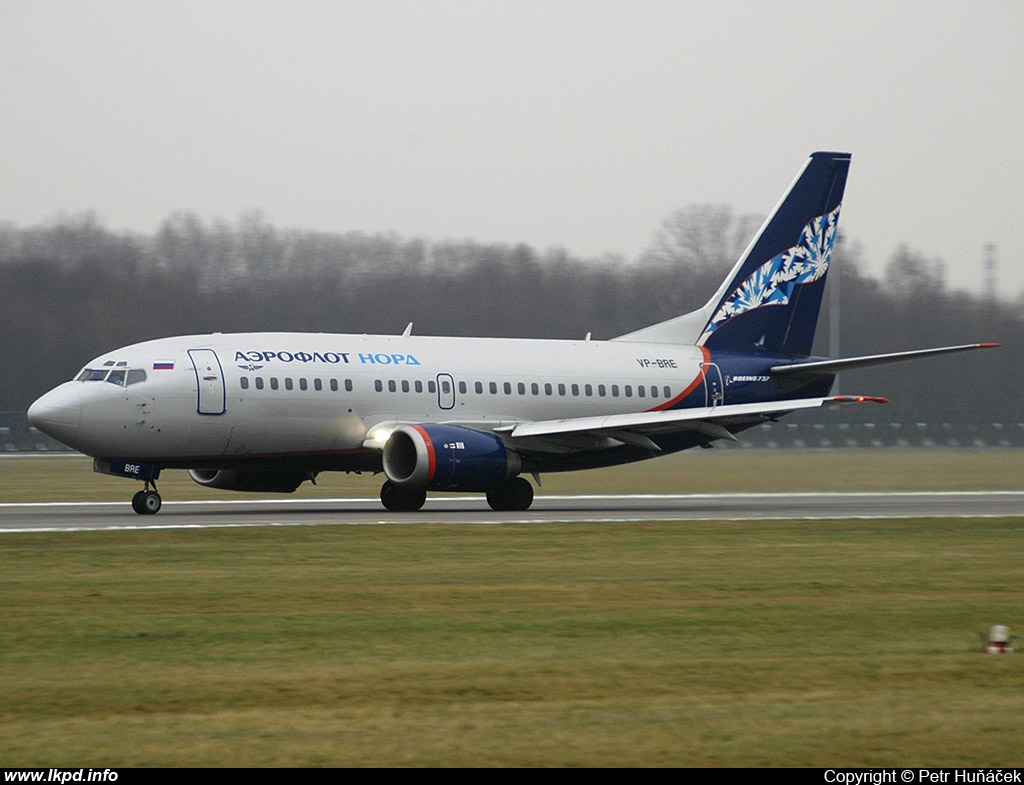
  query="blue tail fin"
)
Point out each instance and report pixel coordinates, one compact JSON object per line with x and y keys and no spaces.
{"x":771,"y":298}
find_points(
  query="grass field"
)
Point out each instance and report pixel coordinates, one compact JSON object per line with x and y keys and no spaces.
{"x":699,"y":643}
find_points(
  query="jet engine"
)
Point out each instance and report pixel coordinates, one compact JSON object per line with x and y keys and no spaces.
{"x":237,"y":480}
{"x":448,"y":458}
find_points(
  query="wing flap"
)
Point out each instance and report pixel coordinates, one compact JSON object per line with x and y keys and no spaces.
{"x":713,"y":420}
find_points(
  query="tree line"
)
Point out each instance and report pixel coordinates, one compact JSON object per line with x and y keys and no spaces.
{"x":74,"y":289}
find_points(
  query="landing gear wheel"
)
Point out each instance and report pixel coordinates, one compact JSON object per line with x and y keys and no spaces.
{"x":514,"y":496}
{"x":147,"y":502}
{"x":399,"y":499}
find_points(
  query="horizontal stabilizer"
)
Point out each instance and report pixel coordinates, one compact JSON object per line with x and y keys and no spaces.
{"x":823,"y":367}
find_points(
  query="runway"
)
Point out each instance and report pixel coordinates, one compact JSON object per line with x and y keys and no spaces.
{"x":61,"y":516}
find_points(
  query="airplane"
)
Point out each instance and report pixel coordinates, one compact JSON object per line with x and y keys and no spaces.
{"x":269,"y":411}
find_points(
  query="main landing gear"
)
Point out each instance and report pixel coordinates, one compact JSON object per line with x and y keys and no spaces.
{"x":514,"y":496}
{"x":147,"y":502}
{"x":399,"y":499}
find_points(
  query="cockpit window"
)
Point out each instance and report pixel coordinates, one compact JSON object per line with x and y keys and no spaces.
{"x":120,"y":376}
{"x":92,"y":375}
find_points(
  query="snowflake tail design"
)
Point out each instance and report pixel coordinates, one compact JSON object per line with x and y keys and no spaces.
{"x":774,"y":281}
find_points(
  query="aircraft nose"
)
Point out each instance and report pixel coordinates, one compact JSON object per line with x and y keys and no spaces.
{"x":58,"y":413}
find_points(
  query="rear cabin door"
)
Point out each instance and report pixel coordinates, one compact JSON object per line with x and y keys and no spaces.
{"x":714,"y":390}
{"x":209,"y":381}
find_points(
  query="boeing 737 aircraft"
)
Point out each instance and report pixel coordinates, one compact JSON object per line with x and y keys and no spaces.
{"x":268,"y":411}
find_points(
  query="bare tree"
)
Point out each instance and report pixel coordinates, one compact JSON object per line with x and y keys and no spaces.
{"x":701,"y":238}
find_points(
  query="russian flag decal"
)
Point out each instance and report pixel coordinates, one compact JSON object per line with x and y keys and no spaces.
{"x":163,"y":365}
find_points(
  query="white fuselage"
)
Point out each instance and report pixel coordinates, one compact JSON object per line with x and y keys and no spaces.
{"x":256,"y":395}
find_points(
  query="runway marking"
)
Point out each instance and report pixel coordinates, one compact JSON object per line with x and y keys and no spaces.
{"x":439,"y":510}
{"x":540,"y":499}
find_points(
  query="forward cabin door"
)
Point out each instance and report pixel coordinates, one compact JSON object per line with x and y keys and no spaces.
{"x":209,"y":381}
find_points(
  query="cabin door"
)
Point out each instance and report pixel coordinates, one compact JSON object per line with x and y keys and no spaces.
{"x":209,"y":381}
{"x":714,"y":390}
{"x":445,"y":391}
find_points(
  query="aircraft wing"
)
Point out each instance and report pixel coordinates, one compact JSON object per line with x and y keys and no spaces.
{"x":634,"y":428}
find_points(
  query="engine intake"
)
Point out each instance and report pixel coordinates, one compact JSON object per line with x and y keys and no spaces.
{"x":448,"y":458}
{"x":237,"y":480}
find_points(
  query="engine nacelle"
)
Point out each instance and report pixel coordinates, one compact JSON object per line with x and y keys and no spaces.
{"x":238,"y":480}
{"x":448,"y":458}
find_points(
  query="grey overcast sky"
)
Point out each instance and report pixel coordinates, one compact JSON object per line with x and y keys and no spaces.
{"x":578,"y":124}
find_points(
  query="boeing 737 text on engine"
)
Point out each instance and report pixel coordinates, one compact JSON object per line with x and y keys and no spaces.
{"x":268,"y":411}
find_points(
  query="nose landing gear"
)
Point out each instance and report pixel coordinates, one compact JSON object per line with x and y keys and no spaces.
{"x":147,"y":501}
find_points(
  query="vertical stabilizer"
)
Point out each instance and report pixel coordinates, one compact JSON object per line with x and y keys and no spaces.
{"x":770,"y":300}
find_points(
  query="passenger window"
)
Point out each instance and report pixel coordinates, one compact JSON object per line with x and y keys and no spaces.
{"x":601,"y":390}
{"x":588,"y":390}
{"x":462,"y":388}
{"x":259,"y":382}
{"x":244,"y":382}
{"x":493,"y":386}
{"x":334,"y":385}
{"x":508,"y":388}
{"x":418,"y":386}
{"x":273,"y":382}
{"x":303,"y":384}
{"x":535,"y":388}
{"x":629,"y":390}
{"x":318,"y":385}
{"x":348,"y":385}
{"x":378,"y":385}
{"x":405,"y":385}
{"x":615,"y":391}
{"x":288,"y":383}
{"x":479,"y":387}
{"x":522,"y":388}
{"x":431,"y":387}
{"x":668,"y":392}
{"x":392,"y":386}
